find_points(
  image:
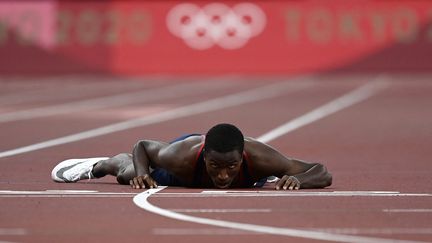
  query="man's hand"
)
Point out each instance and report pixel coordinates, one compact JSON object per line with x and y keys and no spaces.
{"x":288,"y":183}
{"x":145,"y":181}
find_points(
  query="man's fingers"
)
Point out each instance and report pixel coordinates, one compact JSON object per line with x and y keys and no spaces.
{"x":133,"y":183}
{"x":154,"y":184}
{"x":136,"y":183}
{"x":149,"y":182}
{"x":290,"y":183}
{"x":145,"y":181}
{"x":281,"y":182}
{"x":295,"y":184}
{"x":141,"y":182}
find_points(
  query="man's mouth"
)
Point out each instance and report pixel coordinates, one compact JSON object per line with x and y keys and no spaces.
{"x":222,"y":185}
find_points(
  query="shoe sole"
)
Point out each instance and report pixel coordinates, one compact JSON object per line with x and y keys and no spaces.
{"x":71,"y":163}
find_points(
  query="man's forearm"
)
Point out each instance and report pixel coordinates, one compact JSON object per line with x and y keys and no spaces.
{"x":315,"y":177}
{"x":140,"y":158}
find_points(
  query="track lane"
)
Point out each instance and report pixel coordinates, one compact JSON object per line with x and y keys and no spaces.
{"x":316,"y":142}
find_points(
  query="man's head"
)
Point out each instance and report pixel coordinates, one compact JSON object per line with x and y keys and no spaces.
{"x":223,"y":154}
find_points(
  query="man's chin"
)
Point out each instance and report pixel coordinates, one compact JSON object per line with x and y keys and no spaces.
{"x":222,"y":186}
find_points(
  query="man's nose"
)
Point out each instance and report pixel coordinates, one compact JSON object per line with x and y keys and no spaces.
{"x":223,"y":174}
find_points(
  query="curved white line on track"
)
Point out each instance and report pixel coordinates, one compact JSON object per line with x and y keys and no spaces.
{"x":141,"y":201}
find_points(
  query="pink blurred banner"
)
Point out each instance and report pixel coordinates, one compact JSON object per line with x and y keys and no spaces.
{"x":205,"y":37}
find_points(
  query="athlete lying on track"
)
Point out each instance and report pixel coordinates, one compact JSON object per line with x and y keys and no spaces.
{"x":222,"y":158}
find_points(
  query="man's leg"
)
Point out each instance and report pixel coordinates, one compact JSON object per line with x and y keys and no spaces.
{"x":73,"y":170}
{"x":120,"y":166}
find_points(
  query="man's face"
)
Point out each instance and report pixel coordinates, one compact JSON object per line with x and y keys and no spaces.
{"x":223,"y":167}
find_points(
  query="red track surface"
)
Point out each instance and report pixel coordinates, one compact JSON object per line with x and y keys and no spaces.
{"x":381,"y":144}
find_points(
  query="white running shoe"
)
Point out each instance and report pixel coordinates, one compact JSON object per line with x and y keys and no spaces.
{"x":73,"y":170}
{"x":272,"y":179}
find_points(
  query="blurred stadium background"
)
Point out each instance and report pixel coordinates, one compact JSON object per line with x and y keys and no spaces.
{"x":214,"y":38}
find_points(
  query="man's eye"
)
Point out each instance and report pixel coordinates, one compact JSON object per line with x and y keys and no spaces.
{"x":232,"y":166}
{"x":214,"y":165}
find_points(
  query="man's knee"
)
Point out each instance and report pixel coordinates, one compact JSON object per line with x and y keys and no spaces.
{"x":126,"y":174}
{"x":121,"y":179}
{"x":124,"y":157}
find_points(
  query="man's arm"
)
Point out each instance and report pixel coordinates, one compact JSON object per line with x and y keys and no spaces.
{"x":146,"y":155}
{"x":294,"y":174}
{"x":315,"y":177}
{"x":175,"y":158}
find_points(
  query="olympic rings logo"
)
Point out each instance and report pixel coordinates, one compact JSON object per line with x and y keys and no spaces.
{"x":216,"y":24}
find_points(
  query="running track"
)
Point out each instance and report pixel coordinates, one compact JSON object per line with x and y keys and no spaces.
{"x":375,"y":140}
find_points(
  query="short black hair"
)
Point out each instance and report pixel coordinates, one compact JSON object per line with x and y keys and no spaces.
{"x":224,"y":138}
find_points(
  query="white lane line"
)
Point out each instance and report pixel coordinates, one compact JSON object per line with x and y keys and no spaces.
{"x":348,"y":231}
{"x":12,"y":231}
{"x":350,"y":193}
{"x":231,"y":100}
{"x":221,"y":210}
{"x":141,"y":201}
{"x":293,"y":194}
{"x":71,"y":196}
{"x":200,"y":231}
{"x":408,"y":210}
{"x":25,"y":91}
{"x":112,"y":100}
{"x":210,"y":194}
{"x":374,"y":231}
{"x":47,"y":192}
{"x":61,"y":193}
{"x":356,"y":96}
{"x":65,"y":191}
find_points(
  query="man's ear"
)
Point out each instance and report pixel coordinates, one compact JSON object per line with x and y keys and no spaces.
{"x":204,"y":154}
